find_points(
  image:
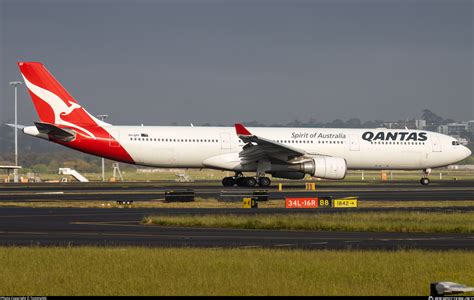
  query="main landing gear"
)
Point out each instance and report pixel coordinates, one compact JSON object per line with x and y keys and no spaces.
{"x":240,"y":180}
{"x":425,"y":180}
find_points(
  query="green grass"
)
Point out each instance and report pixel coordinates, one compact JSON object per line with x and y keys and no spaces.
{"x":181,"y":271}
{"x":383,"y":221}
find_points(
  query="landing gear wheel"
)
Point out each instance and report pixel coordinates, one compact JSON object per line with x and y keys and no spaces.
{"x":228,"y":181}
{"x":264,"y":181}
{"x":241,"y":181}
{"x":251,"y":182}
{"x":424,"y":181}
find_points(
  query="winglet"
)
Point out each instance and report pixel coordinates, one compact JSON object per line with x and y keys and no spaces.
{"x":241,"y":130}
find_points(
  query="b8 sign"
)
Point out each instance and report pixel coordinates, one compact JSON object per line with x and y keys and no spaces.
{"x":325,"y":202}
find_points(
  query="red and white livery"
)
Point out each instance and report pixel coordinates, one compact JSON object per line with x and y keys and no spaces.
{"x":282,"y":152}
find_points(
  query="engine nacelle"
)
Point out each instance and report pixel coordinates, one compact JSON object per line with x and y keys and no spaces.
{"x":325,"y":167}
{"x":289,"y":175}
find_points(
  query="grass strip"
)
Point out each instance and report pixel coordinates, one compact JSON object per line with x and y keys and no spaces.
{"x":455,"y":222}
{"x":183,"y":271}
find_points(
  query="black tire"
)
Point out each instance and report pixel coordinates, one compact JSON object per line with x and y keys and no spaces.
{"x":424,"y":181}
{"x":228,"y":181}
{"x":241,"y":181}
{"x":251,"y":182}
{"x":264,"y":181}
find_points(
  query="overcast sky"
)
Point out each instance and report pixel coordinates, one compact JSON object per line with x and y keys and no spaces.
{"x":159,"y":62}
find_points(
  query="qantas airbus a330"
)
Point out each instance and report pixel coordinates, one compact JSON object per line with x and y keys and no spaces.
{"x":282,"y":152}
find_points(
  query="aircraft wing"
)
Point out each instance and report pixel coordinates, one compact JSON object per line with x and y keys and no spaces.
{"x":258,"y":148}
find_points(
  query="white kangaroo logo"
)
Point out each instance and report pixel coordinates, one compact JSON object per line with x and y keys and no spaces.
{"x":59,"y":106}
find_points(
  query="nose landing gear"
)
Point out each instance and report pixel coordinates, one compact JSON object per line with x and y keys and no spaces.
{"x":425,"y":180}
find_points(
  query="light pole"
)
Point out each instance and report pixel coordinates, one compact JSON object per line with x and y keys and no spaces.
{"x":102,"y":118}
{"x":15,"y":171}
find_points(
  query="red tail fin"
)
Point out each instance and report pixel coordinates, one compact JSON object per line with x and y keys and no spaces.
{"x":52,"y":102}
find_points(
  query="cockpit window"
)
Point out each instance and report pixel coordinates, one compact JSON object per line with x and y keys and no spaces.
{"x":455,"y":143}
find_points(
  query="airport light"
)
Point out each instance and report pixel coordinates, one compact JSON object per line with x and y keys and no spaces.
{"x":15,"y":171}
{"x":102,"y":118}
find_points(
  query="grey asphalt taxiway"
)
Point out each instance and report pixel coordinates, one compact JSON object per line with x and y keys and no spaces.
{"x":396,"y":190}
{"x":120,"y":227}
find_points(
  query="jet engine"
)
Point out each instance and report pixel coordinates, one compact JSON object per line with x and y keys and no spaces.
{"x":318,"y":166}
{"x":325,"y":167}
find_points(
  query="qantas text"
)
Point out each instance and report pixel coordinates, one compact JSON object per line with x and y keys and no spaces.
{"x":394,"y":136}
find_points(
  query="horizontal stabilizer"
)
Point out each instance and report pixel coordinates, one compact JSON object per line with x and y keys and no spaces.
{"x":15,"y":126}
{"x":62,"y":134}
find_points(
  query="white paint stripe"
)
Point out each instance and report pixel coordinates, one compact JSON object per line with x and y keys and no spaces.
{"x":49,"y":193}
{"x":57,"y":104}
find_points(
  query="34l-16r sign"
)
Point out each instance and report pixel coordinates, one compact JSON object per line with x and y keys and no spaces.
{"x":301,"y":203}
{"x":307,"y":202}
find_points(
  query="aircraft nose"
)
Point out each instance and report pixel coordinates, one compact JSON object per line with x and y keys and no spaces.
{"x":467,"y":152}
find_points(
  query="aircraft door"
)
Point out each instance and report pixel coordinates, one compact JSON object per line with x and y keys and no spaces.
{"x":436,"y":144}
{"x":225,"y":141}
{"x":354,"y":142}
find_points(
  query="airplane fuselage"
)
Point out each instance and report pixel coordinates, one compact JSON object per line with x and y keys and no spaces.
{"x":282,"y":152}
{"x":194,"y":147}
{"x":219,"y":147}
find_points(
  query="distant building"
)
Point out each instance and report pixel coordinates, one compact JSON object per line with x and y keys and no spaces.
{"x":443,"y":129}
{"x":470,"y":126}
{"x":457,"y":128}
{"x":420,"y":124}
{"x":461,"y":140}
{"x":408,"y":124}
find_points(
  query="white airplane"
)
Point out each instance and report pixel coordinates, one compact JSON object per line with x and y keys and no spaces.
{"x":282,"y":152}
